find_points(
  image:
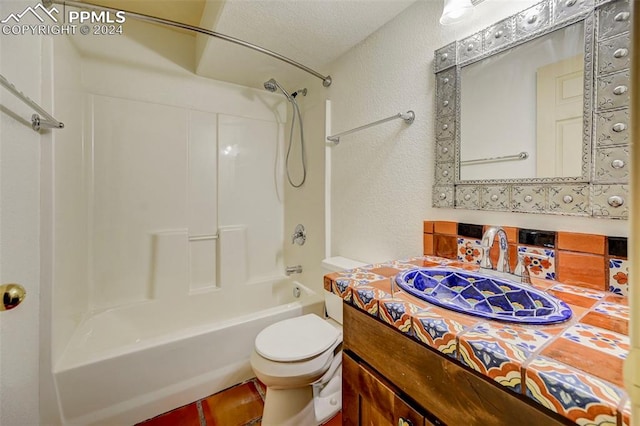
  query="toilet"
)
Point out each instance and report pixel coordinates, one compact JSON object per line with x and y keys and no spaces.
{"x":300,"y":362}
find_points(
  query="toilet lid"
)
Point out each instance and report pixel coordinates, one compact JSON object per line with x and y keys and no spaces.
{"x":296,"y":339}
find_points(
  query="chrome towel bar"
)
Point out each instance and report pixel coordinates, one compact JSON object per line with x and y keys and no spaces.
{"x":519,"y":156}
{"x":408,"y":118}
{"x":36,"y":122}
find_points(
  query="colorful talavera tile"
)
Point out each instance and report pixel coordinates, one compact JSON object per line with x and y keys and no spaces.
{"x":403,"y":265}
{"x":619,"y":276}
{"x":541,"y":263}
{"x":397,"y":313}
{"x":342,"y":287}
{"x":586,"y":359}
{"x":438,"y":332}
{"x":580,"y":291}
{"x":582,"y":398}
{"x":366,"y":298}
{"x":469,"y":251}
{"x":498,"y":351}
{"x":426,"y":261}
{"x":328,"y":280}
{"x":384,"y":269}
{"x":613,"y":309}
{"x":606,"y":341}
{"x":361,"y":276}
{"x":606,"y":321}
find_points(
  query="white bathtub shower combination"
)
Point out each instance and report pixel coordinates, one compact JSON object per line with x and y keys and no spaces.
{"x":167,"y":232}
{"x":128,"y":364}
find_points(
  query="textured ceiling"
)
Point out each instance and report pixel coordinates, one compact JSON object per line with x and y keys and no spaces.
{"x":185,"y":11}
{"x":311,"y":32}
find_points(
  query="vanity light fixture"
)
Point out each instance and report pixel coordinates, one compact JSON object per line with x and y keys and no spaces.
{"x":455,"y":11}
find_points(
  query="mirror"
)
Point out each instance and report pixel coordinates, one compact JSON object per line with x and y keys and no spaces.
{"x":531,"y":113}
{"x":521,"y":111}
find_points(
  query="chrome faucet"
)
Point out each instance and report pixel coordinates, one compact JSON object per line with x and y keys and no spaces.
{"x":487,"y":243}
{"x":289,"y":270}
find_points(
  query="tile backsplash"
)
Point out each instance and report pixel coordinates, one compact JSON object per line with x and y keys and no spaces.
{"x":590,"y":261}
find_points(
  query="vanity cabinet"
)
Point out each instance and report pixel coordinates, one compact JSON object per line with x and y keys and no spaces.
{"x":369,"y":399}
{"x":387,"y":376}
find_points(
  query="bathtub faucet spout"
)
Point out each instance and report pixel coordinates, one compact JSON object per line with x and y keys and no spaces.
{"x":289,"y":270}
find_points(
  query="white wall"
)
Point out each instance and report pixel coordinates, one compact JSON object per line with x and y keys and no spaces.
{"x":382,"y":177}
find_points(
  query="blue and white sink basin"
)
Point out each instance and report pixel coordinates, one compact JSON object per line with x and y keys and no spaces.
{"x":483,"y":295}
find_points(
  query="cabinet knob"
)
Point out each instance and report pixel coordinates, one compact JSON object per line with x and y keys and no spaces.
{"x":445,"y":126}
{"x":445,"y":103}
{"x":470,"y":47}
{"x":570,"y":3}
{"x":494,"y":197}
{"x":467,"y":197}
{"x":404,"y":422}
{"x":528,"y":198}
{"x":445,"y":173}
{"x":445,"y":80}
{"x":567,"y":199}
{"x":498,"y":34}
{"x":442,"y":196}
{"x":532,"y":19}
{"x":445,"y":150}
{"x":444,"y":57}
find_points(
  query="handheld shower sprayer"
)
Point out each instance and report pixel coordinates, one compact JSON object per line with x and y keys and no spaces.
{"x":272,"y":86}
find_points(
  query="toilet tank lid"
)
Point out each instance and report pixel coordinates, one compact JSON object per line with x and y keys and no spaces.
{"x":338,"y":263}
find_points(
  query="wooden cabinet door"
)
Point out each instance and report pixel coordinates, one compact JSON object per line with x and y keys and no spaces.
{"x":367,"y":399}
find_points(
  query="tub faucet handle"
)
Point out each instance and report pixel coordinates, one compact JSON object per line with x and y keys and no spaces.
{"x":299,"y":235}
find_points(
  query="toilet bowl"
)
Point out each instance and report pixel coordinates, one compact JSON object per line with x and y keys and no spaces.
{"x":299,"y":360}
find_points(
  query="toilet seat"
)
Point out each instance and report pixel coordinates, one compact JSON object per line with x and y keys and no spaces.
{"x":296,"y":339}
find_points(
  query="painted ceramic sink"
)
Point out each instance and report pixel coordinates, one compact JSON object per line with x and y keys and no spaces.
{"x":483,"y":295}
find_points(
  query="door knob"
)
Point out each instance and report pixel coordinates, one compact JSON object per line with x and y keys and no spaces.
{"x":12,"y":296}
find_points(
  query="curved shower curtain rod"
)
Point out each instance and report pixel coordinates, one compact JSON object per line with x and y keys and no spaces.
{"x":326,"y":80}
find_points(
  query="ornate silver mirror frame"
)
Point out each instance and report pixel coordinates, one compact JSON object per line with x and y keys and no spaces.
{"x":602,"y":189}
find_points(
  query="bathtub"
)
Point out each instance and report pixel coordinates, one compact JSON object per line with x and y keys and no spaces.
{"x":128,"y":364}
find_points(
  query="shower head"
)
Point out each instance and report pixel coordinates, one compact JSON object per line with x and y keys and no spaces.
{"x":272,"y":85}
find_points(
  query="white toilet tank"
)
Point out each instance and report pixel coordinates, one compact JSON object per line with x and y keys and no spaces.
{"x":332,"y":301}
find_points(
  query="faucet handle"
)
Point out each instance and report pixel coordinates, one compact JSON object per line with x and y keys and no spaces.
{"x":299,"y":235}
{"x":521,"y":268}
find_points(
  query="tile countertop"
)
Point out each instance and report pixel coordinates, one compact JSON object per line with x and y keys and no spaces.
{"x":573,"y":368}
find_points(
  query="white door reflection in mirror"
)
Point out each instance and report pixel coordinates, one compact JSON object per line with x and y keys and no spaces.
{"x":559,"y":118}
{"x":499,"y":115}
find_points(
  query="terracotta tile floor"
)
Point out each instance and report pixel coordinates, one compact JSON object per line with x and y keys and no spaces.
{"x":240,"y":405}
